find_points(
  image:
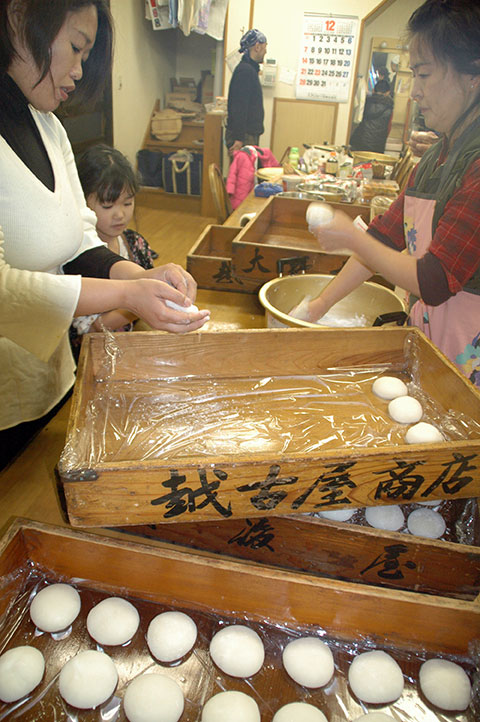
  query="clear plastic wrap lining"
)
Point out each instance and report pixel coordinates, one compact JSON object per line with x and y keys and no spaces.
{"x":196,"y":673}
{"x":201,"y":416}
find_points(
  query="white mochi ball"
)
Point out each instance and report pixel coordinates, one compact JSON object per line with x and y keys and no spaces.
{"x":308,"y":661}
{"x":237,"y":651}
{"x":389,"y":387}
{"x":445,"y":684}
{"x":185,"y":309}
{"x":390,"y":518}
{"x":88,"y":679}
{"x":375,"y":677}
{"x":299,"y":712}
{"x":112,"y":621}
{"x":171,"y":635}
{"x":21,"y":670}
{"x":374,"y":717}
{"x":423,"y":433}
{"x":405,"y":410}
{"x":231,"y":706}
{"x":153,"y":698}
{"x":319,"y":214}
{"x":337,"y":514}
{"x":55,"y":607}
{"x":427,"y":523}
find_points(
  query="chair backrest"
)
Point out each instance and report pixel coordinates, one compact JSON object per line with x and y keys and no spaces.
{"x":403,"y":168}
{"x":220,"y":196}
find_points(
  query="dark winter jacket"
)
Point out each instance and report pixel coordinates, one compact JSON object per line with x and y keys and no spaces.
{"x":371,"y":134}
{"x":245,"y":101}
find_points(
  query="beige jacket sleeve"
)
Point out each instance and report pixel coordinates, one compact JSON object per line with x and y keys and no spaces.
{"x":36,"y":309}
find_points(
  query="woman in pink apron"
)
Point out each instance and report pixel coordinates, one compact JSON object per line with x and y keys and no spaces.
{"x":437,"y":217}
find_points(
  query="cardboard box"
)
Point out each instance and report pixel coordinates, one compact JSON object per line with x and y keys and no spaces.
{"x":240,"y":424}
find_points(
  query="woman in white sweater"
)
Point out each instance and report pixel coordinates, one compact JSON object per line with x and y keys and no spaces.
{"x":53,"y":266}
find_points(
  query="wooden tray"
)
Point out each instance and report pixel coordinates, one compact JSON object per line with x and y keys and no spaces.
{"x":210,"y":261}
{"x":279,"y":605}
{"x":348,"y":551}
{"x":216,"y":470}
{"x":279,"y":233}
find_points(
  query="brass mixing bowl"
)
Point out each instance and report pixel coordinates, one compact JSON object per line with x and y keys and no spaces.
{"x":370,"y":300}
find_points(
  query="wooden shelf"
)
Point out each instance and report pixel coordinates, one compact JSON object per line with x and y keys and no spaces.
{"x":200,"y":137}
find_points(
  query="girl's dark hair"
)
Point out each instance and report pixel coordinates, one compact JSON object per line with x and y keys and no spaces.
{"x":106,"y":172}
{"x":451,"y":28}
{"x":40,"y":23}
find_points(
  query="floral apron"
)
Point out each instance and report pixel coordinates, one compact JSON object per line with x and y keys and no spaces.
{"x":453,"y":326}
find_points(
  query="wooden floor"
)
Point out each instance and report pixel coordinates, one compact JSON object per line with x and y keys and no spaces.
{"x":170,"y":233}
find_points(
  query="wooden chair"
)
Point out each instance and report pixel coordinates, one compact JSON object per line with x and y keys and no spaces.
{"x":220,"y":196}
{"x":403,"y":168}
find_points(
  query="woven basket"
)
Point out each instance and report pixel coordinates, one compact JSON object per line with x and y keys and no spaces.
{"x":166,"y":124}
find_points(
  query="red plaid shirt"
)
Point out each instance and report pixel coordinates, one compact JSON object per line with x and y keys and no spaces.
{"x":455,"y":247}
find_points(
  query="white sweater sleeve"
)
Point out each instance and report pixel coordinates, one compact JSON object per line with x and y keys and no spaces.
{"x":36,"y":308}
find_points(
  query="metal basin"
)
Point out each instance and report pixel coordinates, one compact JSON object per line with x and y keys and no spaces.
{"x":362,"y":307}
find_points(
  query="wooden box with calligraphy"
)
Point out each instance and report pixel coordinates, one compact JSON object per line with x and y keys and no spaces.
{"x":278,"y":605}
{"x":240,"y":424}
{"x":210,"y":261}
{"x":350,"y":550}
{"x":279,"y":233}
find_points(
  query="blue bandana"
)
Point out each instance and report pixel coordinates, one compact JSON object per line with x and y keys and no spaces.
{"x":250,"y":38}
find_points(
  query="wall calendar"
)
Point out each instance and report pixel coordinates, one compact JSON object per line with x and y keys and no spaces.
{"x":327,"y":57}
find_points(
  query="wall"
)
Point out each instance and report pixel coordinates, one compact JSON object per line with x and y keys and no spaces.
{"x":144,"y":61}
{"x":391,"y":23}
{"x":284,"y":31}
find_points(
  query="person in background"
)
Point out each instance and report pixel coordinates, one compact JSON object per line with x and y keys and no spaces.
{"x":245,"y":98}
{"x":109,"y":185}
{"x":53,"y":265}
{"x":437,"y":217}
{"x":371,"y":133}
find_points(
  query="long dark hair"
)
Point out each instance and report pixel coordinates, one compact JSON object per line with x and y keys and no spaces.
{"x":451,"y":28}
{"x":40,"y":23}
{"x":106,"y":172}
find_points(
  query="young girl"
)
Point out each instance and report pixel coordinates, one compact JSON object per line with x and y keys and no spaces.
{"x":109,"y":184}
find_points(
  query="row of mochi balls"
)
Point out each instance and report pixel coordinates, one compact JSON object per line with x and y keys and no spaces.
{"x":405,"y":409}
{"x":90,"y":678}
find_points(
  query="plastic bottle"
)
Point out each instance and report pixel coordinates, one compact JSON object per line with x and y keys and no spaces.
{"x":294,"y":157}
{"x":332,"y":164}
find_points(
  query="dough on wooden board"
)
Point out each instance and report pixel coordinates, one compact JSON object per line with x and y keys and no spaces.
{"x":153,"y":697}
{"x":375,"y":677}
{"x":112,"y":621}
{"x":88,"y":679}
{"x":21,"y":670}
{"x":445,"y":684}
{"x":308,"y":661}
{"x":171,"y":635}
{"x":232,"y":706}
{"x":55,"y":607}
{"x":237,"y":650}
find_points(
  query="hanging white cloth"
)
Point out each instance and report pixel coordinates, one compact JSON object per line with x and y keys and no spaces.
{"x":359,"y":99}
